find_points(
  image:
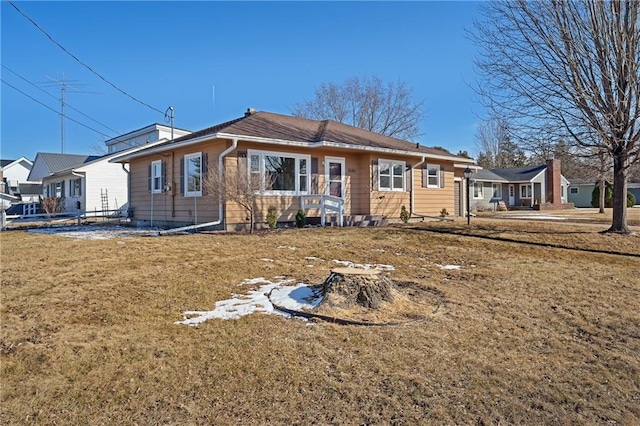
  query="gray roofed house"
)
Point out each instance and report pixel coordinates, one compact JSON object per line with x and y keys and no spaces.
{"x":540,"y":187}
{"x":48,"y":163}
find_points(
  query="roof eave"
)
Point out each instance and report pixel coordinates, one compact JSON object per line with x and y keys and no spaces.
{"x":257,"y":139}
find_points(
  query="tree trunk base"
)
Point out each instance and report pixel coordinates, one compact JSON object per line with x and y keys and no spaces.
{"x":347,"y":287}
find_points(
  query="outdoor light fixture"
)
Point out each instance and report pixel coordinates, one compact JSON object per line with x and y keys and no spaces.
{"x":467,"y":175}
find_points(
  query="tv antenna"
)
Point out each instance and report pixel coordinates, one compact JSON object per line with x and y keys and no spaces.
{"x":64,"y":85}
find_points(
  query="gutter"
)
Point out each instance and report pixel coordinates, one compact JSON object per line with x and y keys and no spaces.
{"x":413,"y":192}
{"x":326,"y":144}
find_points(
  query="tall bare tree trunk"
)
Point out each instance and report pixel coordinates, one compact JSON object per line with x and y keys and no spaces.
{"x":603,"y":188}
{"x":620,"y":194}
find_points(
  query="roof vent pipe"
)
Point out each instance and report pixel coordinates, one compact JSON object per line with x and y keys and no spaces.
{"x":250,"y":111}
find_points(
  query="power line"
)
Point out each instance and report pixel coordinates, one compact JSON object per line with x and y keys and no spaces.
{"x":49,"y":94}
{"x":80,"y":62}
{"x":48,"y":107}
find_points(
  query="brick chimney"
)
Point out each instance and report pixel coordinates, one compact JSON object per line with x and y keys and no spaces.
{"x":553,"y":183}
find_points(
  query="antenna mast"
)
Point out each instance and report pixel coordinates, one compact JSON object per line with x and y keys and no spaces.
{"x":168,"y":116}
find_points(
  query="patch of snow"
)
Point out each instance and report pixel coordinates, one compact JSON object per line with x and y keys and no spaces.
{"x":313,"y":258}
{"x":266,"y":259}
{"x":251,"y":281}
{"x":94,"y":232}
{"x":349,"y":264}
{"x":288,"y":247}
{"x":299,"y":296}
{"x":449,"y":267}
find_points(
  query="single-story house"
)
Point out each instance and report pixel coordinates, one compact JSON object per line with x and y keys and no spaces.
{"x":299,"y":164}
{"x":580,"y":192}
{"x":540,"y":187}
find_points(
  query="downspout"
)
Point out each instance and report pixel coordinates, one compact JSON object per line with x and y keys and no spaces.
{"x":128,"y":188}
{"x":412,"y":201}
{"x":234,"y":145}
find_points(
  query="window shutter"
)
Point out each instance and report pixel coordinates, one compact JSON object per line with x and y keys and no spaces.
{"x":164,"y":174}
{"x":314,"y":175}
{"x":374,"y":175}
{"x":149,"y":177}
{"x":62,"y":188}
{"x":425,"y":175}
{"x":181,"y":175}
{"x":441,"y":178}
{"x":408,"y":175}
{"x":204,"y":169}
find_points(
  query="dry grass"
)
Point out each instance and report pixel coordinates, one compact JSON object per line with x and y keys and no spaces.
{"x":525,"y":334}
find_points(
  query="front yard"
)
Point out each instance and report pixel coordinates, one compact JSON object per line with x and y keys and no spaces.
{"x":524,"y":333}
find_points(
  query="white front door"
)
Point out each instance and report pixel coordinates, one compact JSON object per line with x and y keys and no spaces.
{"x":334,"y":176}
{"x":512,"y":195}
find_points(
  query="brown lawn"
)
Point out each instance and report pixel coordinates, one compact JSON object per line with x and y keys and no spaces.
{"x":525,"y":334}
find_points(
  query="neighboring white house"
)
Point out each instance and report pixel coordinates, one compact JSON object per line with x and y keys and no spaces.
{"x":16,"y":185}
{"x":143,"y":136}
{"x":91,"y":180}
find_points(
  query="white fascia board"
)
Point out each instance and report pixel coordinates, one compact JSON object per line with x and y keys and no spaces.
{"x":126,"y":155}
{"x":338,"y":145}
{"x":140,"y":132}
{"x":270,"y":141}
{"x":465,"y":165}
{"x":490,"y":180}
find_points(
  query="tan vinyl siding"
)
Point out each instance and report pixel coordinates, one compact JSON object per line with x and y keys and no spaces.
{"x":360,"y":196}
{"x":431,"y":201}
{"x":172,"y":206}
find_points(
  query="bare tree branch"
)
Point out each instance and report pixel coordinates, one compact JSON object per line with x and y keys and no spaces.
{"x":570,"y":69}
{"x":366,"y":103}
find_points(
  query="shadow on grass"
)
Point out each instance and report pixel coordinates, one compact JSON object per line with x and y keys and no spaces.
{"x":493,"y":236}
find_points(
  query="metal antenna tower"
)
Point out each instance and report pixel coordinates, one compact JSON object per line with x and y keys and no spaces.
{"x":64,"y":84}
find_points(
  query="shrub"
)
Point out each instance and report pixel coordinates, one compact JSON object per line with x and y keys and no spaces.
{"x":444,"y":213}
{"x":301,"y":219}
{"x":52,"y":205}
{"x":631,"y":199}
{"x":404,"y":214}
{"x":272,"y":217}
{"x":608,"y":196}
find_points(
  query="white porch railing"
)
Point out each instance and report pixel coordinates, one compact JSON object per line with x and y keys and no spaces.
{"x":326,"y":204}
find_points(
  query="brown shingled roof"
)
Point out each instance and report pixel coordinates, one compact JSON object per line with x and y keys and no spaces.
{"x":269,"y":125}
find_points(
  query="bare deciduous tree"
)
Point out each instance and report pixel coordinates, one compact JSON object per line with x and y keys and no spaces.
{"x":571,"y":68}
{"x":494,"y":145}
{"x":238,"y":186}
{"x":367,"y":103}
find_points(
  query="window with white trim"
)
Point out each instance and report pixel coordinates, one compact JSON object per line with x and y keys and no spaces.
{"x":497,"y":190}
{"x":433,"y":176}
{"x":156,"y":176}
{"x":391,"y":175}
{"x":280,"y":173}
{"x":477,"y":190}
{"x":193,"y":175}
{"x":75,"y":187}
{"x":574,"y":190}
{"x":525,"y":191}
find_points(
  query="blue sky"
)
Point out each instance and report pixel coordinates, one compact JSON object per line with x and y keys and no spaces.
{"x":265,"y":55}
